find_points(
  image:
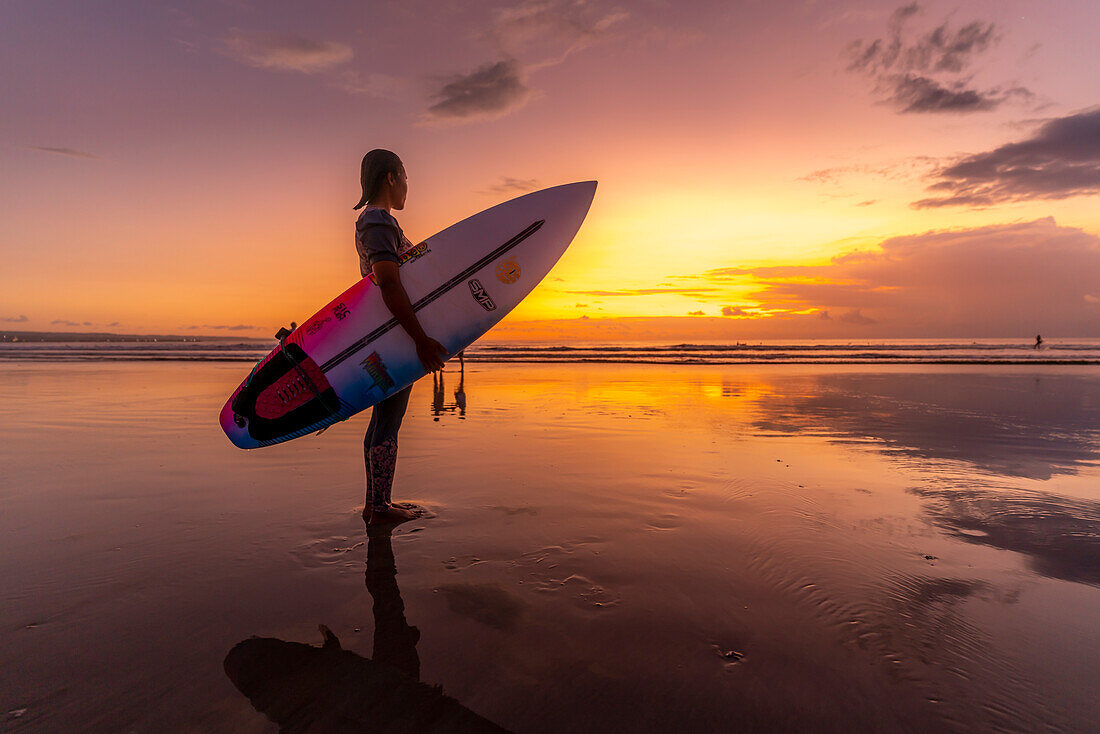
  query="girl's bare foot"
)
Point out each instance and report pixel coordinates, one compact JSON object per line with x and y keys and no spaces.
{"x":393,"y":515}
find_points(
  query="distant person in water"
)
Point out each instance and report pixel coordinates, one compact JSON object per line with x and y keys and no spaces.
{"x":380,"y":243}
{"x":1038,"y":341}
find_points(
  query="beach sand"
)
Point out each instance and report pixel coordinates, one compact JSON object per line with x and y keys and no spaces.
{"x":608,"y":548}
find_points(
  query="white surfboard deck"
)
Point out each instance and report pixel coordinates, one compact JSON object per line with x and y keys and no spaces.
{"x":352,"y":353}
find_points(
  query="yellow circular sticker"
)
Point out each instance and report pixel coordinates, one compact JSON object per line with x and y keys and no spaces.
{"x":508,"y":271}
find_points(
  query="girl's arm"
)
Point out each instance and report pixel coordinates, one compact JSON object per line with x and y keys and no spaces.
{"x":388,"y":277}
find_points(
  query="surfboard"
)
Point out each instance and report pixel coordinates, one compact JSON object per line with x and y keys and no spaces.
{"x":353,"y":353}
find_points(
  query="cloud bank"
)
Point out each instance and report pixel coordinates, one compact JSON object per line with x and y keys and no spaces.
{"x":994,"y":280}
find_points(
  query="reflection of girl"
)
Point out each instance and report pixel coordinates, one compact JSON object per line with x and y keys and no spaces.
{"x":380,"y":243}
{"x":394,"y":638}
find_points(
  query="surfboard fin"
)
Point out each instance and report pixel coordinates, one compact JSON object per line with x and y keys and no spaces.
{"x":284,"y":332}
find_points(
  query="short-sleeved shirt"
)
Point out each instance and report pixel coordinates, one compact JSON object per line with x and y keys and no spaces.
{"x":378,"y":237}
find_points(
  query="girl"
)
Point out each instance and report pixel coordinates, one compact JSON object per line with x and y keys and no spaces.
{"x":380,"y":243}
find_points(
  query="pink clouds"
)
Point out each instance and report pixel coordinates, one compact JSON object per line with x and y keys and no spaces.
{"x":287,"y":51}
{"x":999,"y":279}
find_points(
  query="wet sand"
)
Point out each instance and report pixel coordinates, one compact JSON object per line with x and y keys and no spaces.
{"x":609,"y":548}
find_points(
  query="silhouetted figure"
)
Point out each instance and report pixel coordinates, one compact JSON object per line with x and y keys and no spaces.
{"x":324,"y":689}
{"x":1038,"y":341}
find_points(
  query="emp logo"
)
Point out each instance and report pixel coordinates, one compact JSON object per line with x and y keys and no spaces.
{"x":481,"y":296}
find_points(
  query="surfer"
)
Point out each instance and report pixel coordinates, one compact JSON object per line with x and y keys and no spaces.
{"x":380,"y":243}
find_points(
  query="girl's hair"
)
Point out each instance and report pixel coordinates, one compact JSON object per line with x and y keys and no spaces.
{"x":376,"y":164}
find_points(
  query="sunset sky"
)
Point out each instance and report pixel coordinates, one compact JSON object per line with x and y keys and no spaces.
{"x":767,"y":169}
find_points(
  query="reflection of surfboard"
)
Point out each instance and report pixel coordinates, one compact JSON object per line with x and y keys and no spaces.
{"x":353,"y":353}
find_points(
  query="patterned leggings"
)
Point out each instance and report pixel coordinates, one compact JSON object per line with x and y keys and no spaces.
{"x":380,"y":447}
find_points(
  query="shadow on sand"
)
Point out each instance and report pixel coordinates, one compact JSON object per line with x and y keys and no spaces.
{"x":303,"y":688}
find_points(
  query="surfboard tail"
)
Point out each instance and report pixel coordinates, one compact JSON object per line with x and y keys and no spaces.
{"x":286,"y":396}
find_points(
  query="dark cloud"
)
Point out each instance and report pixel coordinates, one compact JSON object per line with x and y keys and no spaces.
{"x":64,"y":322}
{"x":113,"y":323}
{"x":510,"y":185}
{"x":285,"y":51}
{"x":696,"y":313}
{"x":20,"y":319}
{"x":526,"y":36}
{"x":1060,"y":160}
{"x":869,"y":202}
{"x":912,"y":93}
{"x":939,"y":50}
{"x":855,"y":317}
{"x":489,"y":91}
{"x":732,"y":311}
{"x":580,"y":305}
{"x":71,"y":152}
{"x":914,"y":76}
{"x":996,"y":280}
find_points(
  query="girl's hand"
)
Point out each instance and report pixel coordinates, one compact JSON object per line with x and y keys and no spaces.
{"x":431,"y":353}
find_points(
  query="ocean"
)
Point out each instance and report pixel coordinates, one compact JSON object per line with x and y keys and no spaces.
{"x":875,"y":351}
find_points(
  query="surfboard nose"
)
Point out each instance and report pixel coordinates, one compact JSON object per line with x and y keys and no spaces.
{"x":572,"y":197}
{"x":583,"y":188}
{"x":586,"y":191}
